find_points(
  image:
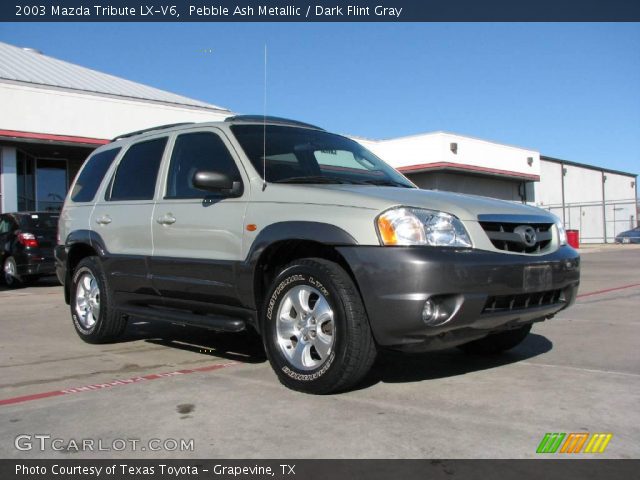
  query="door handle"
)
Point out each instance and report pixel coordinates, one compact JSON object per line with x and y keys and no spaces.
{"x":104,"y":220}
{"x":167,"y":219}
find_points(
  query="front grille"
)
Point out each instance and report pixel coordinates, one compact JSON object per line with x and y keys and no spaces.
{"x":506,"y":236}
{"x":523,"y":301}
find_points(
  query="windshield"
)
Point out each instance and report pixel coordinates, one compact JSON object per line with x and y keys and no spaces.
{"x":301,"y":155}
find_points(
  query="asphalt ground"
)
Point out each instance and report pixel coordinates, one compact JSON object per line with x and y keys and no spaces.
{"x":188,"y":393}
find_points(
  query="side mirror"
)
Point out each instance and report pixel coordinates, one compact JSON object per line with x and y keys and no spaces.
{"x":216,"y":182}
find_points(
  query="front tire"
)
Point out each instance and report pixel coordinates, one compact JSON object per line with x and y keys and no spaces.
{"x":315,"y":329}
{"x":94,"y":317}
{"x":497,"y":342}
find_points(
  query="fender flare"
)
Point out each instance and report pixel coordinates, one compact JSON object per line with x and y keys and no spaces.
{"x":318,"y":232}
{"x":77,"y":237}
{"x":87,"y":237}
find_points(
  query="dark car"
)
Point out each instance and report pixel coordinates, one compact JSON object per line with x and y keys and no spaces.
{"x":27,"y":240}
{"x":630,"y":236}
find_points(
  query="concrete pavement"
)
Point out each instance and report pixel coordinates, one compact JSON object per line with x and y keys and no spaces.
{"x":577,"y":372}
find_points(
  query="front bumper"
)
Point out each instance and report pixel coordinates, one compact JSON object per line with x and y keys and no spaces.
{"x":483,"y":291}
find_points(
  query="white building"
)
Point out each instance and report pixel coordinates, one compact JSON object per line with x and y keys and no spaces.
{"x":598,"y":202}
{"x":445,"y":161}
{"x":53,"y":114}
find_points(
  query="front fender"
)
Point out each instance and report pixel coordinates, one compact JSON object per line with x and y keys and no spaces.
{"x":319,"y":232}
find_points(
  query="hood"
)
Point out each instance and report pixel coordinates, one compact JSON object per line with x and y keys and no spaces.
{"x":465,"y":207}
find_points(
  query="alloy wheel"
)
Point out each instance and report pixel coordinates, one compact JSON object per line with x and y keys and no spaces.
{"x":87,"y":300}
{"x":305,"y":327}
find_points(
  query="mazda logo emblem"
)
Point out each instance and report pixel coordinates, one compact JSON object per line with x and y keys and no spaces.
{"x":527,"y":235}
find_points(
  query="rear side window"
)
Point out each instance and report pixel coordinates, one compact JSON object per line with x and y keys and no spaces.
{"x":92,"y":174}
{"x":138,"y":170}
{"x":193,"y":152}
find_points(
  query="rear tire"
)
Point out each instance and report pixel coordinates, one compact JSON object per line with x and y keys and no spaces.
{"x":92,"y":311}
{"x":497,"y":342}
{"x":315,"y":329}
{"x":10,"y":273}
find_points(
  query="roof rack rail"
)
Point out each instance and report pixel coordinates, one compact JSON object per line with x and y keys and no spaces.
{"x":151,"y":129}
{"x":268,"y":119}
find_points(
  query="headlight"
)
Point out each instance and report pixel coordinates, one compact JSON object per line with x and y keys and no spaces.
{"x":562,"y":233}
{"x":417,"y":226}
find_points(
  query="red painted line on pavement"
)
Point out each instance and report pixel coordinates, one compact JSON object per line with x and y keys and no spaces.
{"x":114,"y":383}
{"x":607,"y":290}
{"x":208,"y":368}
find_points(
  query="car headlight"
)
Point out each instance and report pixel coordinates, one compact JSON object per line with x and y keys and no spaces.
{"x":562,"y":233}
{"x":418,"y":226}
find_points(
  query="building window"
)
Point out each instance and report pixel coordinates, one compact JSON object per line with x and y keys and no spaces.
{"x":41,"y":183}
{"x":51,"y":184}
{"x":25,"y":166}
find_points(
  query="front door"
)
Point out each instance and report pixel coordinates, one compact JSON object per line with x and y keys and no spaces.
{"x":197,"y":235}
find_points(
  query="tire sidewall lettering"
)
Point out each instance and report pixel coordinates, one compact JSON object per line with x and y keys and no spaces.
{"x":303,"y":377}
{"x":281,"y":286}
{"x":316,"y":283}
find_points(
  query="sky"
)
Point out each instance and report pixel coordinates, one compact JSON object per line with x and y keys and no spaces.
{"x":568,"y":90}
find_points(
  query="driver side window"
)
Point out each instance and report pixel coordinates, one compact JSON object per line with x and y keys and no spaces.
{"x":193,"y":152}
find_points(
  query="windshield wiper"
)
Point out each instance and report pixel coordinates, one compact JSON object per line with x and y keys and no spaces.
{"x":386,"y":183}
{"x":311,"y":179}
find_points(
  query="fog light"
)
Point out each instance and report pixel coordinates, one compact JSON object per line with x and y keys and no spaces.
{"x":439,"y":309}
{"x":430,"y":312}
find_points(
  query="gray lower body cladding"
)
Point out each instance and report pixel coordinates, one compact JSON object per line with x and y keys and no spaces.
{"x":480,"y":292}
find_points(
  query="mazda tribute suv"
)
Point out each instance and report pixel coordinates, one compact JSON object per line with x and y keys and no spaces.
{"x":306,"y":238}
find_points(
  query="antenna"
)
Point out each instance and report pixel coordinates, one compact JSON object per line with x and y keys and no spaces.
{"x":264,"y":125}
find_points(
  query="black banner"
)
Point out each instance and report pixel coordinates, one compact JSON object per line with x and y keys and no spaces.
{"x":318,"y":10}
{"x":320,"y":469}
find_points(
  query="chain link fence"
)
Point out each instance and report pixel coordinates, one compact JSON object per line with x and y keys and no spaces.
{"x":598,"y":221}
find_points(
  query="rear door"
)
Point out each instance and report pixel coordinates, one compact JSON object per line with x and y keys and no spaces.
{"x":122,"y":217}
{"x":197,"y":235}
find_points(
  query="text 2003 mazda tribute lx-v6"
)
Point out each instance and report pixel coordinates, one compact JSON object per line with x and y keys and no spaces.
{"x":306,"y":237}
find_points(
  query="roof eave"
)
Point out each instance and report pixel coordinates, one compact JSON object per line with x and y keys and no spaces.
{"x":470,"y":169}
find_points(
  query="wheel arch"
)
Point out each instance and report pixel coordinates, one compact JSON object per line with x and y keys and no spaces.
{"x":279,"y":244}
{"x":80,"y":244}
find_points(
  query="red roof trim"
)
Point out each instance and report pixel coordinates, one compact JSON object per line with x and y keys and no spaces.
{"x":52,"y":138}
{"x":464,"y":166}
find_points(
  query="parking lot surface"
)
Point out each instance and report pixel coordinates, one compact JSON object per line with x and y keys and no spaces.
{"x":579,"y":372}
